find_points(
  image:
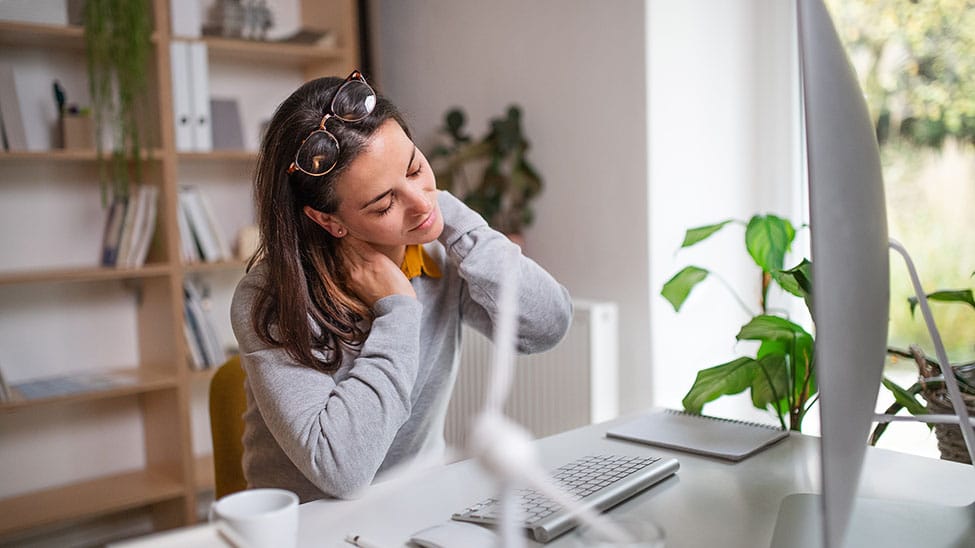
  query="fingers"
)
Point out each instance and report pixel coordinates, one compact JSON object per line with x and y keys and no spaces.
{"x":372,"y":275}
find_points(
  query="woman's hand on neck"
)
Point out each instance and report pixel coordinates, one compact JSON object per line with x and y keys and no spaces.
{"x":374,"y":273}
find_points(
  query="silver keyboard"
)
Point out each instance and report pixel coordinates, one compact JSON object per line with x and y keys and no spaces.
{"x":599,"y":481}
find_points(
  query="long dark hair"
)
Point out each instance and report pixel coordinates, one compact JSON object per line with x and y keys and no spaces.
{"x":305,"y":276}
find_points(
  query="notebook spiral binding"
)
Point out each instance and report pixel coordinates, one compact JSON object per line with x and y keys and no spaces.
{"x":721,"y":419}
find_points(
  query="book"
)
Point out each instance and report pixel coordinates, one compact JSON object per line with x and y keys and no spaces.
{"x":727,"y":439}
{"x":4,"y":389}
{"x":225,"y":117}
{"x":189,"y":251}
{"x":201,"y":321}
{"x":191,"y":333}
{"x":112,"y":236}
{"x":149,"y":195}
{"x":66,"y":385}
{"x":131,"y":225}
{"x":14,"y":129}
{"x":200,"y":226}
{"x":214,"y":227}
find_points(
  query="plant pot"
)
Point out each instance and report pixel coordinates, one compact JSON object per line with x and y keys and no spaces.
{"x":951,"y":443}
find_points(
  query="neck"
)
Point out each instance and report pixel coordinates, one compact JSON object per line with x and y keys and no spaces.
{"x":395,"y":253}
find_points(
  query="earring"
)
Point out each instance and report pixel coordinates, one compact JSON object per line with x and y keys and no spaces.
{"x":340,"y":232}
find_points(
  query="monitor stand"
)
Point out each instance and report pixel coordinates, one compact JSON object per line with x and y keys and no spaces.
{"x":876,"y":523}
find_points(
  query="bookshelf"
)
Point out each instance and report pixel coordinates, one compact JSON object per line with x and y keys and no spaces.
{"x":152,"y":429}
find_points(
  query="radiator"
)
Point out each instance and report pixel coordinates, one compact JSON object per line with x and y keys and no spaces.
{"x":571,"y":385}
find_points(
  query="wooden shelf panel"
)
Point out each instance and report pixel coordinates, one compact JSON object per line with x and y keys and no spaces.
{"x":93,"y":274}
{"x":219,"y":156}
{"x":203,"y":473}
{"x":221,"y":266}
{"x":202,"y":375}
{"x":131,"y":382}
{"x":85,"y":499}
{"x":230,"y":49}
{"x":65,"y":155}
{"x":15,"y":33}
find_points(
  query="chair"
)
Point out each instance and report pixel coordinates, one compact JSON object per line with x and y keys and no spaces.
{"x":227,"y":406}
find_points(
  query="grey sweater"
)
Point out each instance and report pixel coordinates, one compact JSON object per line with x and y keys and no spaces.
{"x":325,"y":435}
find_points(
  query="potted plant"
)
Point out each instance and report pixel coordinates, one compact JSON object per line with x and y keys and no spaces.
{"x":491,"y":174}
{"x":117,"y":45}
{"x":781,"y":375}
{"x":931,"y":386}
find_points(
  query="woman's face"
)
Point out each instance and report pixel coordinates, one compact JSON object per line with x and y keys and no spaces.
{"x":388,"y":194}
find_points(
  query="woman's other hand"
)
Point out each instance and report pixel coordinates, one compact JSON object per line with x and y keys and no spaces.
{"x":372,"y":275}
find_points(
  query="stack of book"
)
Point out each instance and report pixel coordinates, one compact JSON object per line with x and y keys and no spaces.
{"x":199,"y":329}
{"x":199,"y":235}
{"x":129,"y":228}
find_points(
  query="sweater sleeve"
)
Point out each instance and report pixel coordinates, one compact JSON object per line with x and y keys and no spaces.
{"x":336,"y":433}
{"x":544,"y":306}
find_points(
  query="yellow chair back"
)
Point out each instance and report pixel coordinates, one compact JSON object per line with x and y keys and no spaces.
{"x":227,"y":405}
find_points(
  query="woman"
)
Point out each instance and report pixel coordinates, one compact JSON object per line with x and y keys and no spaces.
{"x":349,"y":316}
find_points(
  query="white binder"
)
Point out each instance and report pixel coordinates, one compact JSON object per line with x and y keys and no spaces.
{"x":182,"y":110}
{"x":200,"y":97}
{"x":185,"y":18}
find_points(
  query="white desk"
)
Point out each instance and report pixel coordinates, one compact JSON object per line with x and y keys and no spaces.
{"x":708,"y":503}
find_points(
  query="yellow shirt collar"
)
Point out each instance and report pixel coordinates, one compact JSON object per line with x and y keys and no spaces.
{"x":416,"y":261}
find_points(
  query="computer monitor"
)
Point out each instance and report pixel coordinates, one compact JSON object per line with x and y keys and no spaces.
{"x":850,"y":257}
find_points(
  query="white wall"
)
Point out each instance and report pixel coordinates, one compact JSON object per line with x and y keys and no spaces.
{"x":647,"y":118}
{"x":723,"y":99}
{"x":577,"y":69}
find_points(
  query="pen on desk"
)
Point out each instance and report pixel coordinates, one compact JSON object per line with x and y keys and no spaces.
{"x":357,"y":540}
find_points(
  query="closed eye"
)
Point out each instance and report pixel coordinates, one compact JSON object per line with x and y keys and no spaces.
{"x":384,"y":211}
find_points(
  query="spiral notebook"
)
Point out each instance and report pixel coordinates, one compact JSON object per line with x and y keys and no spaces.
{"x":727,"y":439}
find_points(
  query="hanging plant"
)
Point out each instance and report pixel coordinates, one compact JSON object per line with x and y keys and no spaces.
{"x":117,"y":45}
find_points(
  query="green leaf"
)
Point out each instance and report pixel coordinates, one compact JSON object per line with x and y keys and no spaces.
{"x":774,"y":328}
{"x":767,"y":239}
{"x":774,"y":365}
{"x":680,"y":285}
{"x":796,"y":280}
{"x":946,"y":296}
{"x":905,"y":397}
{"x":695,"y":235}
{"x":721,"y":380}
{"x":454,"y":121}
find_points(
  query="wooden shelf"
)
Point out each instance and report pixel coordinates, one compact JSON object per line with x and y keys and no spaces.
{"x":64,"y":155}
{"x":93,"y":274}
{"x":219,"y":156}
{"x":202,"y":375}
{"x":85,"y":499}
{"x":203,"y":473}
{"x":222,"y":266}
{"x":133,"y":381}
{"x":231,"y":49}
{"x":14,"y":33}
{"x":156,"y":392}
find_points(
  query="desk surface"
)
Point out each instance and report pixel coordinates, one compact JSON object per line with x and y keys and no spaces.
{"x":708,"y":502}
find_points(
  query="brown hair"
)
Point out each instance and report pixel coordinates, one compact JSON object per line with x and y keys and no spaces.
{"x":306,"y":279}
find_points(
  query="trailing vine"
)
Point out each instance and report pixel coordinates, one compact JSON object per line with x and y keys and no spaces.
{"x":118,"y":45}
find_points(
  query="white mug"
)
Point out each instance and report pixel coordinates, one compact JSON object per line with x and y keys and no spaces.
{"x":261,"y":518}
